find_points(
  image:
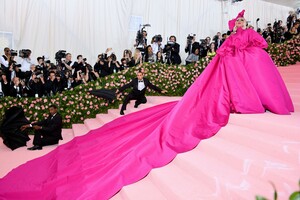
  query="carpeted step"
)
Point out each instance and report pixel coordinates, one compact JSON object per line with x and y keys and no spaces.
{"x":92,"y":124}
{"x":105,"y":118}
{"x":79,"y":129}
{"x":136,"y":191}
{"x":283,"y":125}
{"x":237,"y":163}
{"x":67,"y":135}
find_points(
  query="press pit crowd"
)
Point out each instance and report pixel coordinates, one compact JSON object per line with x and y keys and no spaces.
{"x":26,"y":79}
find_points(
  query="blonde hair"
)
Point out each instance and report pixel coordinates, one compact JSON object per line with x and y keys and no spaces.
{"x":244,"y":25}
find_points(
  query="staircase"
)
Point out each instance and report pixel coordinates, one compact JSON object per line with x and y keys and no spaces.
{"x":11,"y":159}
{"x":237,"y":163}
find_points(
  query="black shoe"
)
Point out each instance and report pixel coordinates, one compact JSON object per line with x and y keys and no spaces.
{"x":121,"y":112}
{"x":35,"y":147}
{"x":135,"y":105}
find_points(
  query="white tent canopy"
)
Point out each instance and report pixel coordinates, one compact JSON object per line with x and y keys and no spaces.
{"x":89,"y":27}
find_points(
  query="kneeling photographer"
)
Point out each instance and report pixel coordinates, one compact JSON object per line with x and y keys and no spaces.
{"x":172,"y":51}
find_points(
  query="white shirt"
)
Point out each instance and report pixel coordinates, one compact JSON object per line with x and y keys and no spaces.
{"x":25,"y":65}
{"x":1,"y":87}
{"x":53,"y":116}
{"x":156,"y":47}
{"x":141,"y":85}
{"x":3,"y":61}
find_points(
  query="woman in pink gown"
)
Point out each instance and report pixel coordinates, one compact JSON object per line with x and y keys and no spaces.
{"x":241,"y":78}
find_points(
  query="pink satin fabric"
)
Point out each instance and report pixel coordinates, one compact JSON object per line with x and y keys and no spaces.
{"x":241,"y":78}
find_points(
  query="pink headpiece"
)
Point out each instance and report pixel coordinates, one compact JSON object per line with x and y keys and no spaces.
{"x":231,"y":23}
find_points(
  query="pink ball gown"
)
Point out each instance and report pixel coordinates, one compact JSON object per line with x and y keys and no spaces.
{"x":241,"y":78}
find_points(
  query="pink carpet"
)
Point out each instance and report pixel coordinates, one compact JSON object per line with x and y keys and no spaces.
{"x":234,"y":164}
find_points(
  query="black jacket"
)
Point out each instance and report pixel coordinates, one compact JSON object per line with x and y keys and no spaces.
{"x":134,"y":85}
{"x":174,"y":53}
{"x":52,"y":126}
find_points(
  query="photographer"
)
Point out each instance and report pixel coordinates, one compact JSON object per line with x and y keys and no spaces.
{"x":36,"y":85}
{"x":5,"y":59}
{"x":51,"y":84}
{"x":78,"y":65}
{"x":172,"y":51}
{"x":113,"y":64}
{"x":156,"y":44}
{"x":218,"y":40}
{"x":124,"y":64}
{"x":149,"y":55}
{"x":268,"y":33}
{"x":191,"y":44}
{"x":67,"y":62}
{"x":41,"y":63}
{"x":291,"y":19}
{"x":17,"y":88}
{"x":26,"y":63}
{"x":81,"y":78}
{"x":127,"y":55}
{"x":27,"y":75}
{"x":4,"y":85}
{"x":193,"y":57}
{"x":17,"y":72}
{"x":138,"y":58}
{"x":91,"y":75}
{"x":278,"y":32}
{"x":203,"y":48}
{"x":159,"y":57}
{"x":101,"y":66}
{"x":141,"y":40}
{"x":61,"y":83}
{"x":293,"y":32}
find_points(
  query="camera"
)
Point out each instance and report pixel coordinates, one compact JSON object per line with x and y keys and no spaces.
{"x":101,"y":57}
{"x":16,"y":65}
{"x":59,"y":55}
{"x":203,"y":42}
{"x":84,"y":59}
{"x":113,"y":57}
{"x":13,"y":52}
{"x":157,"y":38}
{"x":190,"y":38}
{"x":24,"y":53}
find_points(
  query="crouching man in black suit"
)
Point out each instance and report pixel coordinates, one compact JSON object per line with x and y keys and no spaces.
{"x":139,"y":86}
{"x":48,"y":131}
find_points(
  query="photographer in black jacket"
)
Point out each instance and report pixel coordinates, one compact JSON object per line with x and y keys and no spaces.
{"x":172,"y":50}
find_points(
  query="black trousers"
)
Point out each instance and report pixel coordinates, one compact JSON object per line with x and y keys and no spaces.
{"x":41,"y":138}
{"x":139,"y":100}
